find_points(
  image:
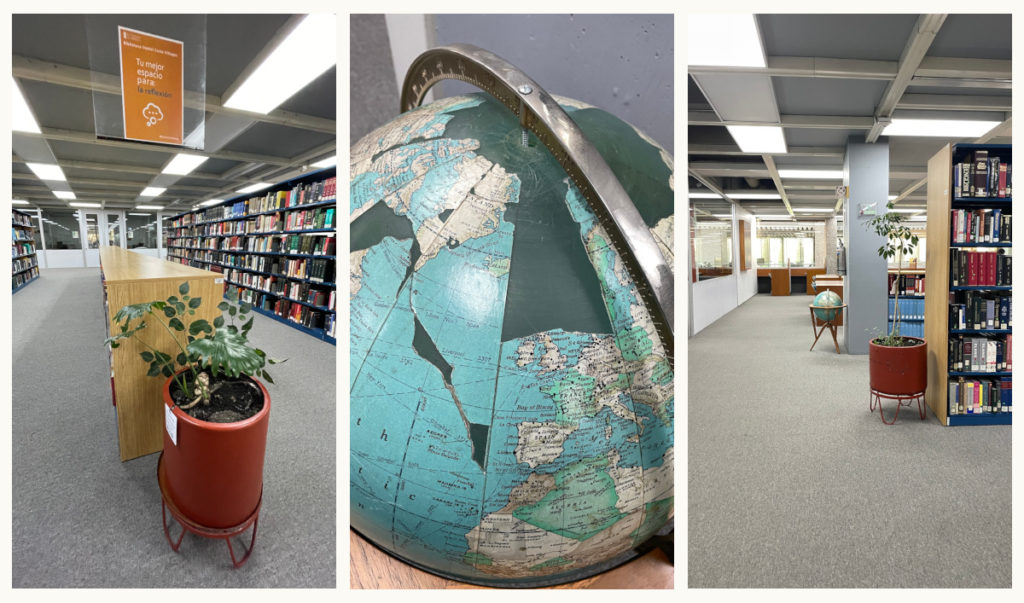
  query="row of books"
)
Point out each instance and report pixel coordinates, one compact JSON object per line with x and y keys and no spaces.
{"x":21,"y":219}
{"x":23,"y":264}
{"x":980,"y":310}
{"x":23,"y":277}
{"x":981,"y":226}
{"x":909,"y":329}
{"x":19,"y":234}
{"x":301,"y":194}
{"x":981,"y":354}
{"x":987,"y":268}
{"x":982,"y":175}
{"x":978,"y":396}
{"x":285,"y":308}
{"x":909,"y":309}
{"x":297,"y":244}
{"x":22,"y":248}
{"x":906,"y":284}
{"x":312,"y":295}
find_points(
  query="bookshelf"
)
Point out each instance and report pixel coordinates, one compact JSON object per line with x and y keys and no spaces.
{"x":276,"y":249}
{"x":910,"y":283}
{"x":968,"y":303}
{"x":24,"y":265}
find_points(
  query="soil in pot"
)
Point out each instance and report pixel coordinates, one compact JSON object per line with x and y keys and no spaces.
{"x":231,"y":399}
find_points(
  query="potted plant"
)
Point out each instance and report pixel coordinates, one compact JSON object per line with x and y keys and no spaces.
{"x":898,"y":364}
{"x":217,"y":413}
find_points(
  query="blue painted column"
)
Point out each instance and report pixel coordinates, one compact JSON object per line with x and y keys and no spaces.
{"x":866,"y":173}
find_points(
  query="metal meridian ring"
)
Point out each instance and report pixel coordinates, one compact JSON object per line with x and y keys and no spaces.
{"x":542,"y":115}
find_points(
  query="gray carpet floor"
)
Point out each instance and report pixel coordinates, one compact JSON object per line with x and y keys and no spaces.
{"x":82,"y":518}
{"x":794,"y":483}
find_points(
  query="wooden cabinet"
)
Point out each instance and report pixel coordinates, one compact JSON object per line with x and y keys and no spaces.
{"x":131,"y":278}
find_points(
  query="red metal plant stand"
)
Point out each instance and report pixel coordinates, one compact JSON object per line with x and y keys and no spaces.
{"x":166,"y":504}
{"x":902,"y":399}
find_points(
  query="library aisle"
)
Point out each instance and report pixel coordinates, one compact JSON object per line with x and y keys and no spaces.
{"x":794,"y":483}
{"x":82,"y":518}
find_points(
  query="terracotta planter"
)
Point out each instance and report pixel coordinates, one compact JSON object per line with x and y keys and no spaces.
{"x":898,"y":370}
{"x":214,"y":473}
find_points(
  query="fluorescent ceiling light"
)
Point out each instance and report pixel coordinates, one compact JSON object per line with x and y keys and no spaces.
{"x":309,"y":50}
{"x":22,"y":119}
{"x":758,"y":139}
{"x":724,"y":41}
{"x":148,"y":207}
{"x":750,"y":196}
{"x":721,"y":215}
{"x":19,"y":202}
{"x":85,"y":205}
{"x":47,"y":171}
{"x":183,"y":163}
{"x":252,"y":188}
{"x":948,"y":128}
{"x":152,"y":191}
{"x":212,"y":202}
{"x":891,"y":197}
{"x":812,"y":174}
{"x":773,"y":217}
{"x":906,"y":210}
{"x":65,"y":195}
{"x":327,"y":162}
{"x":705,"y":196}
{"x":824,"y":210}
{"x":132,"y":213}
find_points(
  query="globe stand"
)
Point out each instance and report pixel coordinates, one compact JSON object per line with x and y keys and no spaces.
{"x":816,"y":322}
{"x":663,"y":539}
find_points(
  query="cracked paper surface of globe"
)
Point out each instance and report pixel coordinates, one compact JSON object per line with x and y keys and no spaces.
{"x":511,"y":414}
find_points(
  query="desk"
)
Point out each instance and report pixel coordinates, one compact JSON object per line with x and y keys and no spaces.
{"x":132,"y":278}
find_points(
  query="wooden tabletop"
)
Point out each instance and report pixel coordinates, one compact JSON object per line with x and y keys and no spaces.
{"x":371,"y":567}
{"x":122,"y":265}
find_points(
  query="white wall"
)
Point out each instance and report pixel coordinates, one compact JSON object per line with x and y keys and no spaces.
{"x":61,"y":258}
{"x":714,"y":298}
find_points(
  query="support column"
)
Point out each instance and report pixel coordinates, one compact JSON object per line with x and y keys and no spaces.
{"x":866,"y":173}
{"x":830,"y":246}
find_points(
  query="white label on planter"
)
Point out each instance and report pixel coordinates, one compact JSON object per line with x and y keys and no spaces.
{"x":171,"y":423}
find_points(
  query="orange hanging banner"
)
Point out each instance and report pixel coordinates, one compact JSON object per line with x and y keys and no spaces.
{"x":151,"y":86}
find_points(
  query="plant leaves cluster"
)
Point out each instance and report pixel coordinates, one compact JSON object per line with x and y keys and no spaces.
{"x":222,"y":348}
{"x":899,"y":241}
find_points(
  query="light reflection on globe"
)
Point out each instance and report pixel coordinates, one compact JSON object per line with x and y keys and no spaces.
{"x":511,"y":404}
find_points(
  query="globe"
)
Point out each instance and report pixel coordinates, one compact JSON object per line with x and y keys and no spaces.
{"x":511,"y":415}
{"x":827,"y":298}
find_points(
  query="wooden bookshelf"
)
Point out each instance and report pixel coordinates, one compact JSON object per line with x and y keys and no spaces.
{"x":132,"y":278}
{"x":24,"y":264}
{"x":939,"y":291}
{"x":276,"y":249}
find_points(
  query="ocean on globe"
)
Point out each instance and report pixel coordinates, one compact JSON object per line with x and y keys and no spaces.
{"x":511,"y":418}
{"x":827,"y":298}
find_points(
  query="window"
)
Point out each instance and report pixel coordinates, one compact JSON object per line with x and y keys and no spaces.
{"x":794,"y":245}
{"x":60,"y":228}
{"x":140,"y":230}
{"x":711,"y":236}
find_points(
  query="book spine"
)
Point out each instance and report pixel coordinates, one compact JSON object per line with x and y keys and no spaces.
{"x":980,"y":173}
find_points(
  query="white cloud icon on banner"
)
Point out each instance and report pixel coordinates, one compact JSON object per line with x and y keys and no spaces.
{"x":152,"y":113}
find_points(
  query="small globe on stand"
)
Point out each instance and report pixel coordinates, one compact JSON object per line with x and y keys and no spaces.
{"x":825,"y":299}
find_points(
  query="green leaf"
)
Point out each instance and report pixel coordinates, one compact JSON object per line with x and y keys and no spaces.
{"x":182,"y":359}
{"x":244,"y":307}
{"x":147,"y":356}
{"x":154,"y":370}
{"x":248,"y":325}
{"x":172,"y":299}
{"x":222,"y":306}
{"x":169,"y":311}
{"x":218,"y":322}
{"x":183,"y":289}
{"x":181,"y":307}
{"x":176,"y":324}
{"x":133,"y":311}
{"x":228,"y":353}
{"x":267,"y":377}
{"x":232,"y":310}
{"x":200,"y":326}
{"x":113,"y":344}
{"x":166,"y":371}
{"x":194,"y":302}
{"x":184,"y":298}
